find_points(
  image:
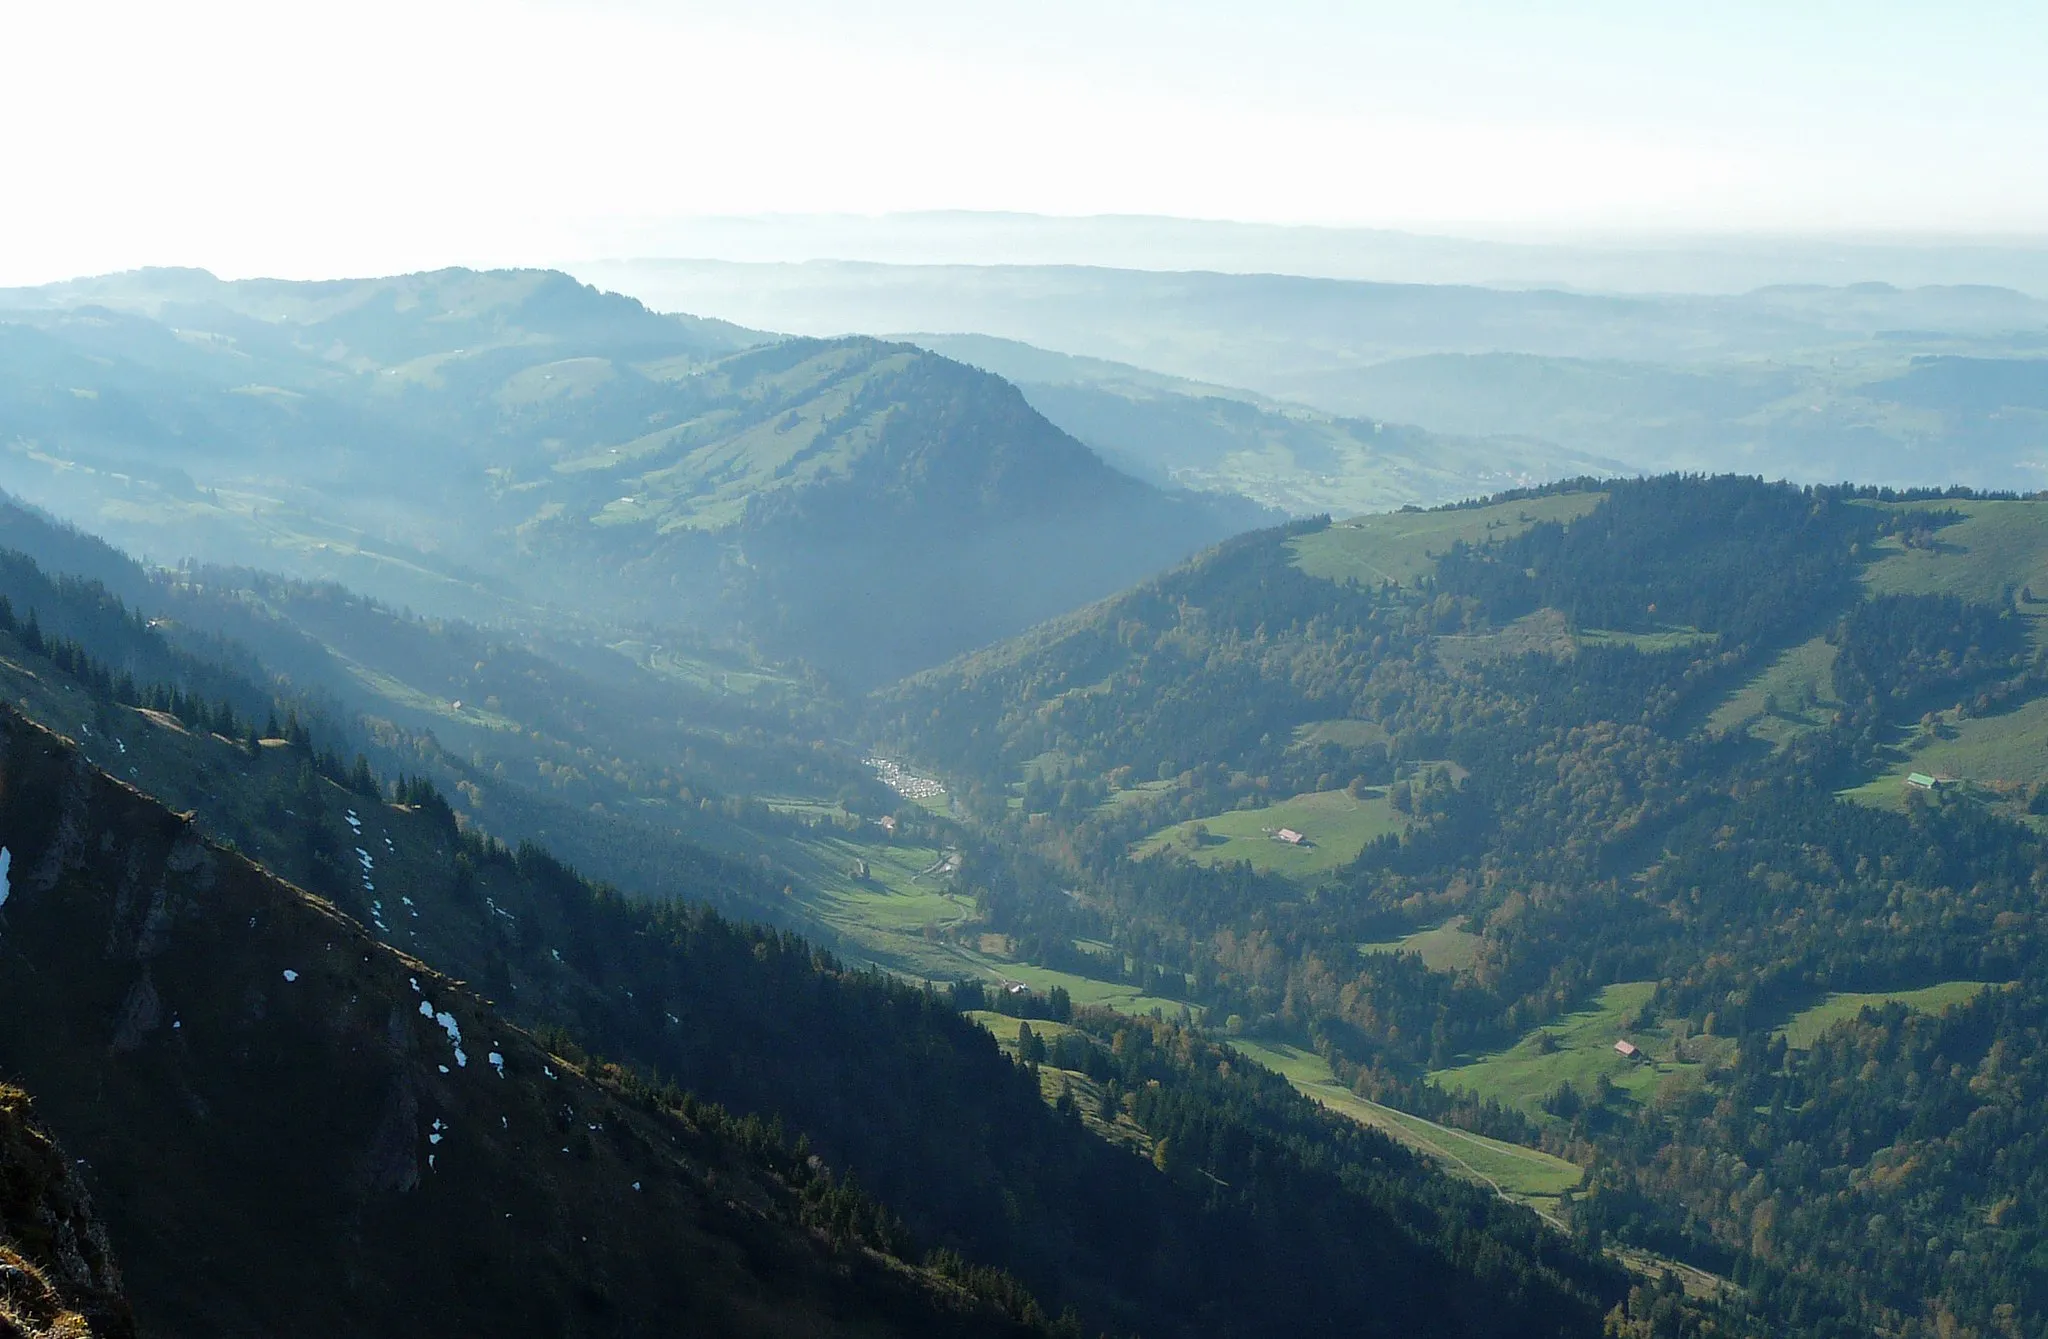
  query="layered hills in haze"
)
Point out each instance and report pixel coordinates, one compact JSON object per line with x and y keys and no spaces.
{"x":1194,"y":435}
{"x":550,"y":439}
{"x":1617,"y":263}
{"x":1798,"y":381}
{"x":549,"y":817}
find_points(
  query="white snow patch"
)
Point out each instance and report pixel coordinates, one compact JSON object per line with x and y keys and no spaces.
{"x":442,"y":1068}
{"x":6,"y":860}
{"x":636,"y":1185}
{"x":498,"y":1063}
{"x":290,"y":975}
{"x":448,"y":1025}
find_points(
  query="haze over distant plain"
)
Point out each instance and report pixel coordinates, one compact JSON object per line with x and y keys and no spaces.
{"x":326,"y":139}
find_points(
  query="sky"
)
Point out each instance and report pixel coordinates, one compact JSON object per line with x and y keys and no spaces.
{"x":315,"y":138}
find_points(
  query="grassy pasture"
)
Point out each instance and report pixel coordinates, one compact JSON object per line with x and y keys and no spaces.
{"x":1449,"y":947}
{"x":1670,"y":637}
{"x":884,"y":916}
{"x":1578,"y":1049}
{"x":1125,"y":999}
{"x":893,"y":917}
{"x":1338,"y":825}
{"x":1005,"y":1027}
{"x":1401,"y":546}
{"x":1543,"y":632}
{"x":1995,"y":545}
{"x":1989,"y":754}
{"x":700,"y":670}
{"x":1801,"y":681}
{"x":1346,"y":734}
{"x":1134,"y":794}
{"x":1525,"y":1174}
{"x":1806,"y":1026}
{"x":1110,"y":1123}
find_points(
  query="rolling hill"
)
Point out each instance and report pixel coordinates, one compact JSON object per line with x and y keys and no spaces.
{"x":1790,"y":380}
{"x":1646,"y":750}
{"x":866,"y":506}
{"x":1192,"y":435}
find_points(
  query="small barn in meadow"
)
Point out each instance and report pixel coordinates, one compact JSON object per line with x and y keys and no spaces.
{"x":1627,"y":1049}
{"x":1291,"y":837}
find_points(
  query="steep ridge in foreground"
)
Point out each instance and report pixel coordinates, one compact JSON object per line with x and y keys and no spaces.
{"x":294,"y":1129}
{"x":57,"y":1272}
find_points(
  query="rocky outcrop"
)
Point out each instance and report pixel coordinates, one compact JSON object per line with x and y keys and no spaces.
{"x":57,"y":1273}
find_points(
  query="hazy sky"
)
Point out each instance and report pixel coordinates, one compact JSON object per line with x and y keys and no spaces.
{"x":319,"y":138}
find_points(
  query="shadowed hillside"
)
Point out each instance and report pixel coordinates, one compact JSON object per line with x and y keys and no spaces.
{"x":58,"y":1279}
{"x":296,"y":1129}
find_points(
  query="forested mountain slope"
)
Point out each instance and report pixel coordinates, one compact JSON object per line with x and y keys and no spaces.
{"x":1244,"y":1211}
{"x":627,"y":772}
{"x":855,"y":503}
{"x":1701,"y":765}
{"x":296,"y":1128}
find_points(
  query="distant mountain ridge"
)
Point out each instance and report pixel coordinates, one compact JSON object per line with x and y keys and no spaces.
{"x":1289,"y":456}
{"x":867,"y":506}
{"x":1611,"y":262}
{"x":1789,"y":380}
